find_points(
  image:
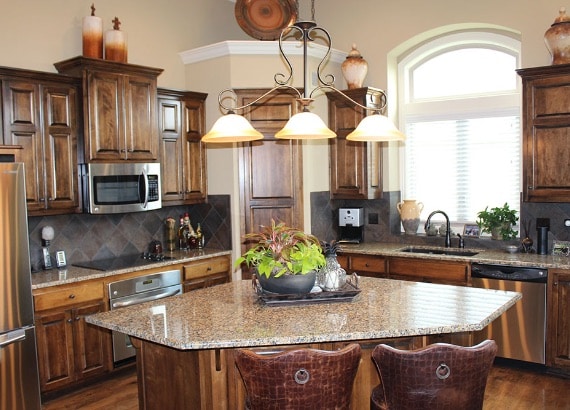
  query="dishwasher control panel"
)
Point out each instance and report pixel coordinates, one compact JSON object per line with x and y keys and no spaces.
{"x":507,"y":272}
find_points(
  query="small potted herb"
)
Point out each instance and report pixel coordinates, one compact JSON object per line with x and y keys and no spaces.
{"x":499,"y":222}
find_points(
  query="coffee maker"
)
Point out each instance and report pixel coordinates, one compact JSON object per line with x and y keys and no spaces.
{"x":351,"y":225}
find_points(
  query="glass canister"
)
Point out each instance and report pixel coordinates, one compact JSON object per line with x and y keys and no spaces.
{"x":170,"y":234}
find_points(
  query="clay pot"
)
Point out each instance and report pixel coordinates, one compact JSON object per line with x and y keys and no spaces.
{"x":410,"y":211}
{"x":557,"y":39}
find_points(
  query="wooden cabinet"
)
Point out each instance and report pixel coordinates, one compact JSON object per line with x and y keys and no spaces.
{"x":207,"y":272}
{"x":119,"y":108}
{"x":433,"y":271}
{"x":546,"y":133}
{"x":364,"y":265}
{"x":69,"y":349}
{"x":355,"y":167}
{"x":41,"y":116}
{"x":181,"y":121}
{"x":558,"y":320}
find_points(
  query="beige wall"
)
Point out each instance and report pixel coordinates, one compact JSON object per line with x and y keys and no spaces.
{"x":36,"y":33}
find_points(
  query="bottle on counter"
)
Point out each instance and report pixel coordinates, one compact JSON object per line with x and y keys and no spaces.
{"x":200,"y":236}
{"x":182,"y":241}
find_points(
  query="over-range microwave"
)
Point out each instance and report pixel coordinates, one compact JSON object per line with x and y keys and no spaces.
{"x":111,"y":188}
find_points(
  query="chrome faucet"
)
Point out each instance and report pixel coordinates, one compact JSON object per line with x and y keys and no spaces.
{"x":447,"y":228}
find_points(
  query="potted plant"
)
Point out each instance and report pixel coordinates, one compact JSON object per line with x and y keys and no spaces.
{"x":499,"y":222}
{"x":283,"y":258}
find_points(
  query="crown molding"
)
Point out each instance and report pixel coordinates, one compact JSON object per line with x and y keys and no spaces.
{"x":256,"y":47}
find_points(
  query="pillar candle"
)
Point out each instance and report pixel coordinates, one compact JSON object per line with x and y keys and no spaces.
{"x":116,"y":44}
{"x":92,"y":36}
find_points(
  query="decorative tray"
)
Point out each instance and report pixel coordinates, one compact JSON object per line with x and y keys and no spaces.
{"x":345,"y":294}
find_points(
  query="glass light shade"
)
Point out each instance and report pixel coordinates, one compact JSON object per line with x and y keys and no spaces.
{"x":305,"y":125}
{"x":232,"y":128}
{"x":376,"y":127}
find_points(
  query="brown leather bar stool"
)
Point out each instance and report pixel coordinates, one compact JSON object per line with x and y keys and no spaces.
{"x":440,"y":376}
{"x":299,"y":379}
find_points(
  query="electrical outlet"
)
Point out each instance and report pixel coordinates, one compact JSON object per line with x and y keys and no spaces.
{"x":373,"y":218}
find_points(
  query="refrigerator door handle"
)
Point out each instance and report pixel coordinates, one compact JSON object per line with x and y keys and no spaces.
{"x":12,"y":337}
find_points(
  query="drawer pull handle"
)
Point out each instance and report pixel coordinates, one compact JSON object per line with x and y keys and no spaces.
{"x":72,"y":296}
{"x":366,"y":264}
{"x":209,"y":268}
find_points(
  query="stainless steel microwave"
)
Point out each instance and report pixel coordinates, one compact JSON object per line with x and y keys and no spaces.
{"x":112,"y":188}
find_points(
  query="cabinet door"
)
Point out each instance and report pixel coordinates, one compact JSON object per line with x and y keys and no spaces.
{"x":195,"y":186}
{"x":546,"y":134}
{"x":105,"y":138}
{"x":140,"y":118}
{"x":92,"y":344}
{"x":22,"y":127}
{"x":170,"y":129}
{"x":355,"y":167}
{"x":60,"y":148}
{"x":558,"y":320}
{"x":54,"y":331}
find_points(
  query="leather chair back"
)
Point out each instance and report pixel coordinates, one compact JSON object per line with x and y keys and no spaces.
{"x":299,"y":379}
{"x":439,"y":376}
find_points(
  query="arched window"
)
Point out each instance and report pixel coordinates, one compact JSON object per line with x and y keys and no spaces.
{"x":459,"y":106}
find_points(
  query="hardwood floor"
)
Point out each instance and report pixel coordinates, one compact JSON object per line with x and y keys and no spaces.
{"x":508,"y":388}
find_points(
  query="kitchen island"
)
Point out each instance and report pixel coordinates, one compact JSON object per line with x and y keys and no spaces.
{"x":185,"y":343}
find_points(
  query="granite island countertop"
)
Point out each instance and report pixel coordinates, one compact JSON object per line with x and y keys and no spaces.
{"x":489,"y":256}
{"x":230,"y":315}
{"x":74,"y":274}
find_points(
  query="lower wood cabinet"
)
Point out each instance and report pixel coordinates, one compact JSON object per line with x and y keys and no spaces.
{"x":558,"y":323}
{"x":69,"y":349}
{"x":206,"y":273}
{"x":432,"y":271}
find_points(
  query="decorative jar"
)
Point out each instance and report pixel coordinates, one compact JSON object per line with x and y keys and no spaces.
{"x":354,"y":69}
{"x":557,"y":39}
{"x":410,"y":212}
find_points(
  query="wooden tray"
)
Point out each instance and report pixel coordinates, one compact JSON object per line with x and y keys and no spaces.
{"x":345,"y":294}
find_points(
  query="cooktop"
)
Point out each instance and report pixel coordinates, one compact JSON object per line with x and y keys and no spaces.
{"x":123,"y":261}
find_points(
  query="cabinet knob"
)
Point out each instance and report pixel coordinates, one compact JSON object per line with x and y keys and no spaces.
{"x":69,"y":320}
{"x":78,"y":318}
{"x":50,"y":199}
{"x":72,"y":296}
{"x":366,"y":264}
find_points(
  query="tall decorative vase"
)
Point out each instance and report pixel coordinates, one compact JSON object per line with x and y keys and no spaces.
{"x":354,"y":69}
{"x":410,"y":212}
{"x":557,"y":39}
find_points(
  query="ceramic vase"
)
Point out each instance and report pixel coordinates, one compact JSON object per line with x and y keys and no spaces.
{"x":410,"y":212}
{"x":354,"y":69}
{"x":557,"y":39}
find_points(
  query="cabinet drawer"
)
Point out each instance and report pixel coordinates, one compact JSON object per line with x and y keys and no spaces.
{"x":363,"y":263}
{"x":68,"y":296}
{"x":429,"y":271}
{"x":206,"y":267}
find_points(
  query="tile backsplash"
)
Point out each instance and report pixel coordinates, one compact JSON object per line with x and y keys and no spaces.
{"x":324,"y":211}
{"x":88,"y":237}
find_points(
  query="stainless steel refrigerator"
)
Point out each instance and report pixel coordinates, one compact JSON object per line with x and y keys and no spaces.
{"x":19,"y":380}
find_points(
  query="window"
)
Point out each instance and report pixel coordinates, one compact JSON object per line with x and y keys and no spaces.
{"x":459,"y":104}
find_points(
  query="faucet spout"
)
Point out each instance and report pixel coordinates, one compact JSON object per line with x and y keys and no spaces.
{"x":447,"y":228}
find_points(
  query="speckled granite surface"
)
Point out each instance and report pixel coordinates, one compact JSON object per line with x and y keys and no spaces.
{"x":230,"y":315}
{"x":71,"y":274}
{"x":483,"y":256}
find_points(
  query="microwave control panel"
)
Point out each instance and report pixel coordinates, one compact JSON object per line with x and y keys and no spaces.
{"x":153,"y":188}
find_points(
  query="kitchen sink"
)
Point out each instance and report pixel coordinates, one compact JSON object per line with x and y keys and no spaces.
{"x":439,"y":251}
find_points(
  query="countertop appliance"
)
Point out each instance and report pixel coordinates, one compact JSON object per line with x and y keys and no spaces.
{"x":351,"y":225}
{"x":20,"y":388}
{"x":137,"y":290}
{"x":520,"y":332}
{"x":122,"y":187}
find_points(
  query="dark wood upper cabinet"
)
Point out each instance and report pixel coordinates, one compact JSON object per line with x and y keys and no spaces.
{"x":355,"y":167}
{"x":119,"y":108}
{"x":40,"y":113}
{"x":546,"y":133}
{"x":181,"y":121}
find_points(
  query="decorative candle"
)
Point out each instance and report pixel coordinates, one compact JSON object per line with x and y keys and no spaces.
{"x":116,"y":43}
{"x":92,"y":35}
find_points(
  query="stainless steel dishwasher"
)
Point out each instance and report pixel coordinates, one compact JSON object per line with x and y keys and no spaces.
{"x":520,"y":332}
{"x":137,"y":290}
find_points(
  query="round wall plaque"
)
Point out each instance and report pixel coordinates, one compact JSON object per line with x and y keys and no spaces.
{"x":265,"y":19}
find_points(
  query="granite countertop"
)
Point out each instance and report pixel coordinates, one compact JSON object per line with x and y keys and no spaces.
{"x":72,"y":274}
{"x":230,"y":315}
{"x":491,"y":256}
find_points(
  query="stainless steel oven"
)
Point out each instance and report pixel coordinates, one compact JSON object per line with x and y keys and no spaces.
{"x":138,"y":290}
{"x":520,"y":332}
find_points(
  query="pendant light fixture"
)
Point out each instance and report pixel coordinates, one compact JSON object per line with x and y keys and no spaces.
{"x":232,"y":127}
